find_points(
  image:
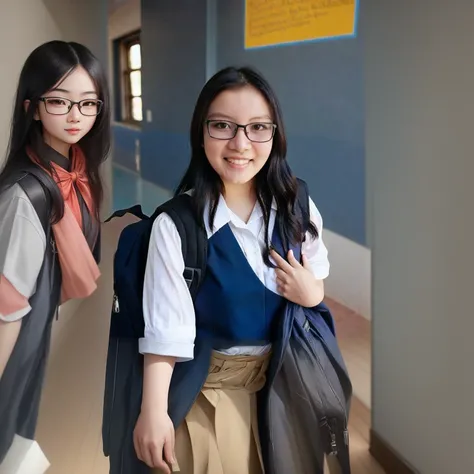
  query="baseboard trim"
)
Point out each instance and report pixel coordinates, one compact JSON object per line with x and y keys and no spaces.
{"x":387,"y":457}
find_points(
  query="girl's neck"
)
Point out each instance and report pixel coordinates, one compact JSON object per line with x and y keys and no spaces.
{"x":241,"y":199}
{"x":57,"y":145}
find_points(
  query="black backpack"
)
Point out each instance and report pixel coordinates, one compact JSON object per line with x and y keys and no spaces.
{"x":131,"y":256}
{"x":132,"y":250}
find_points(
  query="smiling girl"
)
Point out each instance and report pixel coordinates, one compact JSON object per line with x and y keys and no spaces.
{"x":245,"y":192}
{"x":50,"y":196}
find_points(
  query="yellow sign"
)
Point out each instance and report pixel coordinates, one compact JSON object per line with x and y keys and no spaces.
{"x":272,"y":22}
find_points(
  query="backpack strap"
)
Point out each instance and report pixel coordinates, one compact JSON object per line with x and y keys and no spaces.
{"x":36,"y":187}
{"x":193,"y":239}
{"x":135,"y":210}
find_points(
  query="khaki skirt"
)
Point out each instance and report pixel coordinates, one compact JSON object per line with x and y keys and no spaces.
{"x":220,"y":433}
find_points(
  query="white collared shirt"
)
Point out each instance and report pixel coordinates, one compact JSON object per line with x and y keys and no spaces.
{"x":170,"y":326}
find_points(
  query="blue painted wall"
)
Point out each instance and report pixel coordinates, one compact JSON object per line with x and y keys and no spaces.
{"x":321,"y":90}
{"x":124,"y":145}
{"x":174,"y":71}
{"x":320,"y":87}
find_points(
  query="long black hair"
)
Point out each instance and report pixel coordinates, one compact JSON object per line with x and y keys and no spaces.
{"x":274,"y":180}
{"x":44,"y":68}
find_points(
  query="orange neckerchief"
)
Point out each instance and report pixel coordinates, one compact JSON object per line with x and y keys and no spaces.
{"x":78,"y":267}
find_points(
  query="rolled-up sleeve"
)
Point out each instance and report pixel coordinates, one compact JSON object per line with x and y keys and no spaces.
{"x":168,"y":310}
{"x":314,"y":248}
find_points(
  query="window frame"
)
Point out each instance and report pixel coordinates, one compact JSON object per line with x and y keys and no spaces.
{"x":125,"y":87}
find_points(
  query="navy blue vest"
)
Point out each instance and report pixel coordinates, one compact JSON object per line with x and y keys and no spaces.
{"x":233,"y":307}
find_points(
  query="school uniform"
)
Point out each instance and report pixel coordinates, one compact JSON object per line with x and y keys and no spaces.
{"x":30,"y":264}
{"x":227,"y":332}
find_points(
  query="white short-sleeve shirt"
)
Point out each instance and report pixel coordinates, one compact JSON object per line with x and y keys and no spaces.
{"x":22,"y":245}
{"x":170,"y":326}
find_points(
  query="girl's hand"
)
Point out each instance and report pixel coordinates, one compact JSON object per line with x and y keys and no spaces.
{"x":154,"y":436}
{"x":296,"y":282}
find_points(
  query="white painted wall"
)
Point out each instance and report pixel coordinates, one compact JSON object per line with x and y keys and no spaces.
{"x":349,"y":278}
{"x":84,"y":22}
{"x":420,"y":167}
{"x":125,"y":19}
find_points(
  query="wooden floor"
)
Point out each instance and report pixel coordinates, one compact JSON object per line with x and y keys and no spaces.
{"x":359,"y":427}
{"x":354,"y":337}
{"x":69,"y":429}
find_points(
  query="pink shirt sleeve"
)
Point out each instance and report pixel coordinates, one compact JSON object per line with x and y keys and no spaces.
{"x":12,"y":303}
{"x":22,"y":245}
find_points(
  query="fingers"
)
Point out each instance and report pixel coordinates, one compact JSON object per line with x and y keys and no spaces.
{"x":292,"y":260}
{"x":281,"y":286}
{"x":153,"y":440}
{"x":137,"y":446}
{"x":283,"y":278}
{"x":156,"y":451}
{"x":169,"y":453}
{"x":150,"y":453}
{"x":281,"y":262}
{"x":305,"y":262}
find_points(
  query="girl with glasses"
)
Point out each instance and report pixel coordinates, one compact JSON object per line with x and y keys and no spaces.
{"x":50,"y":197}
{"x":244,"y":192}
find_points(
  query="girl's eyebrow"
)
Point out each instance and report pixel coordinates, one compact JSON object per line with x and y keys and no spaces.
{"x":65,"y":91}
{"x":215,"y":115}
{"x":227,"y":117}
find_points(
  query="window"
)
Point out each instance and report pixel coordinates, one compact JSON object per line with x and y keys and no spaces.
{"x":130,"y":58}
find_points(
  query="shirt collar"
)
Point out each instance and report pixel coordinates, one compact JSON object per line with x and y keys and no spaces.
{"x":45,"y":151}
{"x":225,"y":216}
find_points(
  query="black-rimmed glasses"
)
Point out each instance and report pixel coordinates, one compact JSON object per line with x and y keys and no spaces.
{"x":259,"y":132}
{"x":61,"y":106}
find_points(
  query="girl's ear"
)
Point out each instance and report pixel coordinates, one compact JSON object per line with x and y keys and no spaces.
{"x":26,"y":104}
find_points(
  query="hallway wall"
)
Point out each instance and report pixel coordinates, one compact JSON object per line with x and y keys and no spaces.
{"x":174,"y":70}
{"x":321,"y":90}
{"x":420,"y":100}
{"x":123,"y":19}
{"x":17,"y":43}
